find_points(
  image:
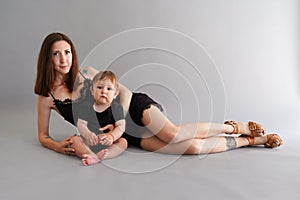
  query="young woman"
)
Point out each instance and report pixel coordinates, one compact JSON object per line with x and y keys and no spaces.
{"x":146,"y":126}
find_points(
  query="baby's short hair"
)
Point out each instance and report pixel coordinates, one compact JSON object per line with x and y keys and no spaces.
{"x":102,"y":75}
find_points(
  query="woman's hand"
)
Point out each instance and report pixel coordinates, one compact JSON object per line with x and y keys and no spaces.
{"x":64,"y":147}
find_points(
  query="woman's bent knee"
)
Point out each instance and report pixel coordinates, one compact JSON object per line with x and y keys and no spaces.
{"x":195,"y":148}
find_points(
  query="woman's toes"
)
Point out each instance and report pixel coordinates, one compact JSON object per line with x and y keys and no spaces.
{"x":273,"y":140}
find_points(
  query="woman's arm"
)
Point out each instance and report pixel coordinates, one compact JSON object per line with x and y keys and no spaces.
{"x":44,"y":112}
{"x":125,"y":97}
{"x":89,"y":72}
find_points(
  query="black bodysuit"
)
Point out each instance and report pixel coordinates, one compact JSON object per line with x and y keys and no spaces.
{"x":134,"y":126}
{"x":69,"y":108}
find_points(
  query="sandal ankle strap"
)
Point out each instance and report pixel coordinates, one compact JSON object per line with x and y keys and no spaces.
{"x":234,"y":125}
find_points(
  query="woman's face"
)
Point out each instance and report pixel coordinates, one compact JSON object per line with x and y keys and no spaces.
{"x":61,"y":55}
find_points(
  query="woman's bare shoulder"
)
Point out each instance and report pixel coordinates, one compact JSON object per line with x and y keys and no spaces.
{"x":45,"y":101}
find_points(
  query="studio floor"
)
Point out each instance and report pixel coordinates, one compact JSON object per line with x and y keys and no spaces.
{"x":29,"y":171}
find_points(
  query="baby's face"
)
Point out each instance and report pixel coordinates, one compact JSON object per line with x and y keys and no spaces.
{"x":104,"y":91}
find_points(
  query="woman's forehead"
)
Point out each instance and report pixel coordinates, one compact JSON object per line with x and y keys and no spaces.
{"x":62,"y":44}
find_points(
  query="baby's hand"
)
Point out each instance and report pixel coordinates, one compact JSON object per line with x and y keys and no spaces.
{"x":91,"y":139}
{"x":106,"y":139}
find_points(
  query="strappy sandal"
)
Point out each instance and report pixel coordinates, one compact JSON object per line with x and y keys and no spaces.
{"x":256,"y":129}
{"x":249,"y":138}
{"x":273,"y":141}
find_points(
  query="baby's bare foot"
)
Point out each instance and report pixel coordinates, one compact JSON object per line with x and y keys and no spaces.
{"x":102,"y":154}
{"x":89,"y":159}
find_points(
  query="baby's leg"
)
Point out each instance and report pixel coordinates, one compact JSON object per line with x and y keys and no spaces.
{"x":80,"y":147}
{"x":112,"y":151}
{"x":118,"y":147}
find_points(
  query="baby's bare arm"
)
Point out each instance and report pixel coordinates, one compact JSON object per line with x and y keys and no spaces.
{"x":114,"y":134}
{"x":90,"y":137}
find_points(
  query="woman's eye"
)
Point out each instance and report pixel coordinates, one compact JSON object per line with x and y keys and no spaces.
{"x":67,"y":51}
{"x":99,"y":87}
{"x":55,"y":53}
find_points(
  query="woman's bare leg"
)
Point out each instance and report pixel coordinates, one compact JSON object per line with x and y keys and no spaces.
{"x":199,"y":146}
{"x":165,"y":130}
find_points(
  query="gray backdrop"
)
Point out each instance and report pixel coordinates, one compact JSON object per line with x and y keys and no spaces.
{"x":254,"y":44}
{"x":202,"y":59}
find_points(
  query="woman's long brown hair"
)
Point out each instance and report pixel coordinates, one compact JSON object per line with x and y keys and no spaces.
{"x":45,"y":70}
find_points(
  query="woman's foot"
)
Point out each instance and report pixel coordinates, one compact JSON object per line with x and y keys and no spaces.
{"x":269,"y":141}
{"x":273,"y":141}
{"x":90,"y":159}
{"x":251,"y":128}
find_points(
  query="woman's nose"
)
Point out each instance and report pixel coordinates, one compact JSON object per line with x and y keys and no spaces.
{"x":62,"y":58}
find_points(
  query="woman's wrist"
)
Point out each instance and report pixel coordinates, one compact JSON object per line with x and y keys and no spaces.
{"x":53,"y":145}
{"x":49,"y":143}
